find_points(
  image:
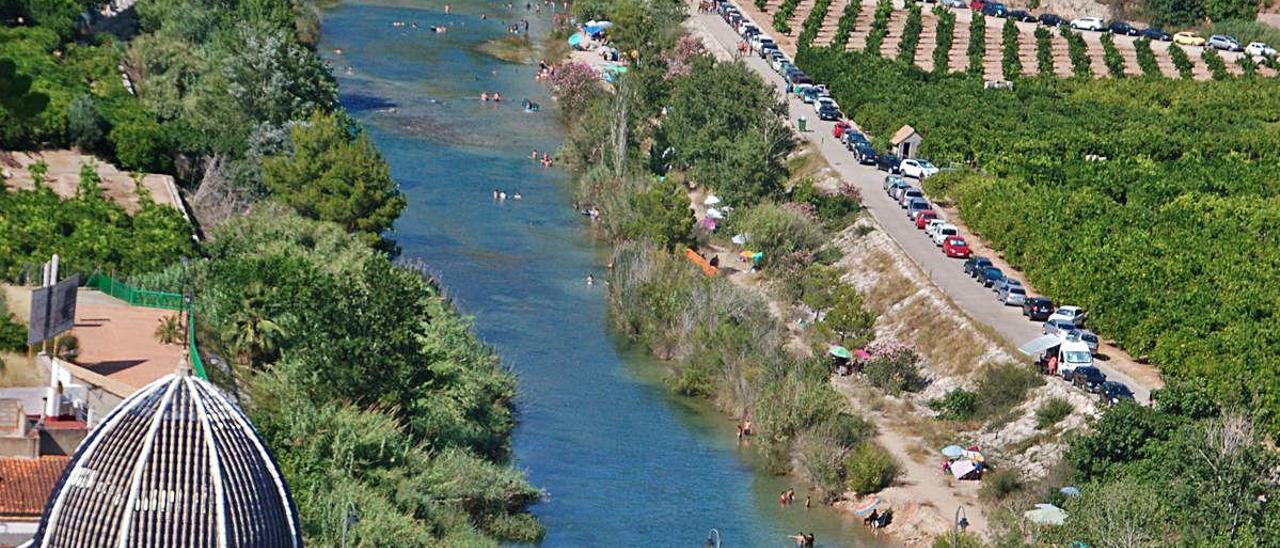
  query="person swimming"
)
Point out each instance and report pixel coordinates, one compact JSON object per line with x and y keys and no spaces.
{"x":591,"y":280}
{"x":484,"y":96}
{"x":517,"y":196}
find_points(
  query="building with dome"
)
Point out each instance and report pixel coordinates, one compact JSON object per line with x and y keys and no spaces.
{"x":176,"y":464}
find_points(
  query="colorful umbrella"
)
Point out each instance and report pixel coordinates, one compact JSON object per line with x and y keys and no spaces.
{"x":864,"y":508}
{"x":840,"y":352}
{"x":962,"y":467}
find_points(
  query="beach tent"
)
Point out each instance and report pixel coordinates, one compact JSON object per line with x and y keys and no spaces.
{"x":962,"y":468}
{"x":1046,"y":514}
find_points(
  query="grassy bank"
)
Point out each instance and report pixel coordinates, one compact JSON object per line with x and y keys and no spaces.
{"x":511,"y":48}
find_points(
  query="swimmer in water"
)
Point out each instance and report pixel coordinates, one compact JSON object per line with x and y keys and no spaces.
{"x":446,"y":8}
{"x":497,"y":97}
{"x":591,"y":280}
{"x":484,"y":96}
{"x":517,"y":196}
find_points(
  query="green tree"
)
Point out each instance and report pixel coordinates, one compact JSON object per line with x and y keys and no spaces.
{"x":660,"y":213}
{"x":849,"y":318}
{"x":252,"y":334}
{"x":335,"y":174}
{"x":85,"y":126}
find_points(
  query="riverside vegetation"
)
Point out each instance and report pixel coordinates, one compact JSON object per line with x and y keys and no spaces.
{"x":1142,"y":200}
{"x":400,"y":410}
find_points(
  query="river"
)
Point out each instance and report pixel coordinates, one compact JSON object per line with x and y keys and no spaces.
{"x":623,"y":462}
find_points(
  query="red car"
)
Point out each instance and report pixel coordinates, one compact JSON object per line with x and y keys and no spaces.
{"x":840,"y":128}
{"x":976,"y":5}
{"x":923,"y":218}
{"x":956,"y":247}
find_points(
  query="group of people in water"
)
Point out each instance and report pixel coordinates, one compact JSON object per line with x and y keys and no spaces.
{"x":500,"y":195}
{"x":788,"y":497}
{"x":546,"y":160}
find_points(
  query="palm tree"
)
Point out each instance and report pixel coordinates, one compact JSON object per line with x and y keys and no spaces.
{"x":170,"y":330}
{"x":253,"y":335}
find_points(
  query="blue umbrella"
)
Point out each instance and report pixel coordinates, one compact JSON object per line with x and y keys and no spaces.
{"x":953,"y":451}
{"x":576,"y":38}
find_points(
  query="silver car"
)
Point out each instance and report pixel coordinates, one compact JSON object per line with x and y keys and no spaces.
{"x":1086,"y":336}
{"x":1012,"y":295}
{"x":1058,"y":327}
{"x":961,"y":4}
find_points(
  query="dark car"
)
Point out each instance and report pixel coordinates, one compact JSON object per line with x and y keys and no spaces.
{"x":1121,"y":27}
{"x":866,"y":154}
{"x":989,"y":276}
{"x":1051,"y":20}
{"x":974,"y":264}
{"x":1156,"y":33}
{"x":1089,"y":378}
{"x":1021,"y":15}
{"x":853,"y":139}
{"x":828,"y":113}
{"x":1037,"y":308}
{"x":890,"y":163}
{"x":1114,"y":392}
{"x":994,"y":9}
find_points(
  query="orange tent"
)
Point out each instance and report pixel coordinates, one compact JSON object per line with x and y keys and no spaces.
{"x":702,"y":263}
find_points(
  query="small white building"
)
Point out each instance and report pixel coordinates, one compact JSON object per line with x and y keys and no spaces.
{"x":906,"y":142}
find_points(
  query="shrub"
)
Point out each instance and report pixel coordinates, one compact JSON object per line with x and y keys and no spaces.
{"x":1247,"y":66}
{"x":1052,"y":412}
{"x":999,"y":484}
{"x":894,"y":368}
{"x":1044,"y":51}
{"x":958,"y":405}
{"x":785,"y":235}
{"x":845,"y":26}
{"x":86,"y":127}
{"x":13,"y":335}
{"x":1001,"y":387}
{"x":910,"y":35}
{"x":1180,"y":61}
{"x":870,"y":468}
{"x":835,"y":210}
{"x":782,"y":17}
{"x":820,"y":460}
{"x":1009,"y":41}
{"x":1147,"y":58}
{"x":1111,"y":56}
{"x":1078,"y":53}
{"x":1217,"y":67}
{"x":946,"y":36}
{"x":879,"y":26}
{"x":977,"y":43}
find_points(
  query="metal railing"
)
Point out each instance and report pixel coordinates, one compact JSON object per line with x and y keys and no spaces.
{"x":153,"y":299}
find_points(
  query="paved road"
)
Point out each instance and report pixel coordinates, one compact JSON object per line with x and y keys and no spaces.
{"x":977,"y":301}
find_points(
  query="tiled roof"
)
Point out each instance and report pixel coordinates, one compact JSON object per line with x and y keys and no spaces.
{"x":902,"y":134}
{"x":25,"y":484}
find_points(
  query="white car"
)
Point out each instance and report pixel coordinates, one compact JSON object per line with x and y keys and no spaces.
{"x":1073,"y":355}
{"x":823,"y":101}
{"x":758,"y":40}
{"x":1073,"y":314}
{"x":942,"y":231}
{"x":1088,"y":23}
{"x":931,"y":226}
{"x":920,"y":169}
{"x":1259,"y":49}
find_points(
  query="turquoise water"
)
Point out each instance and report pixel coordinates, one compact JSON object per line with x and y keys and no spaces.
{"x":623,"y":462}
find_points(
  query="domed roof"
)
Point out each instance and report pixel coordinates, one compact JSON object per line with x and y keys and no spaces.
{"x":176,"y":464}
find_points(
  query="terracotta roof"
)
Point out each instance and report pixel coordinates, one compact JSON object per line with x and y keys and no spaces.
{"x":25,"y":484}
{"x":902,"y":134}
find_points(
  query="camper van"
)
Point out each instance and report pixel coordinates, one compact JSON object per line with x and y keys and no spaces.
{"x":1073,"y":354}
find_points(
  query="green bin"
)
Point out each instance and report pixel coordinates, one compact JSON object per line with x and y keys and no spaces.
{"x":802,"y":123}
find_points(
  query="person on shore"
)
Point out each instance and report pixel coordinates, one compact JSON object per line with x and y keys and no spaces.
{"x":446,"y":9}
{"x":808,"y":502}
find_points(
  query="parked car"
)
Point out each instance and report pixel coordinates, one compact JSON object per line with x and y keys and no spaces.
{"x":989,"y":276}
{"x":920,"y":169}
{"x":852,"y":139}
{"x":956,"y":248}
{"x":994,"y":9}
{"x":942,"y":231}
{"x":1021,"y":15}
{"x":1072,"y":357}
{"x":976,"y":5}
{"x":975,"y":264}
{"x":1088,"y":378}
{"x":1051,"y":20}
{"x":1188,"y":38}
{"x":931,"y":226}
{"x":828,"y":112}
{"x":1085,"y":336}
{"x":1224,"y":42}
{"x":824,"y":100}
{"x":838,"y":129}
{"x":777,"y":60}
{"x":889,"y":162}
{"x":955,"y":4}
{"x":909,"y":194}
{"x":1088,"y":23}
{"x":809,"y":95}
{"x":1037,"y":308}
{"x":865,"y":154}
{"x":767,"y":47}
{"x":1073,"y":314}
{"x":1156,"y":33}
{"x":1006,"y":283}
{"x":1114,"y":392}
{"x":923,"y":218}
{"x":1012,"y":295}
{"x":1259,"y":49}
{"x":1121,"y":27}
{"x":892,"y":182}
{"x":899,"y":191}
{"x":917,"y":205}
{"x":1059,"y":327}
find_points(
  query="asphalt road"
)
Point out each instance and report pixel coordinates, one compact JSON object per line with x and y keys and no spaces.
{"x":946,"y":273}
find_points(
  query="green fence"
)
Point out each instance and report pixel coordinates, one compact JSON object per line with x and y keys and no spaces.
{"x":152,"y":299}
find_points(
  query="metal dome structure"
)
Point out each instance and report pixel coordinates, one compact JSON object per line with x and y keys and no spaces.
{"x":176,"y":464}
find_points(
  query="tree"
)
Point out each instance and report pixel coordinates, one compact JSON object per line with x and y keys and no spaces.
{"x":252,"y":334}
{"x":1119,"y":514}
{"x":660,"y":213}
{"x":335,"y":174}
{"x":275,"y":79}
{"x":848,"y":318}
{"x":85,"y":126}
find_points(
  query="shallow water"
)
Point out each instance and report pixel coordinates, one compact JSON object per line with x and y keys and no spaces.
{"x":623,"y":462}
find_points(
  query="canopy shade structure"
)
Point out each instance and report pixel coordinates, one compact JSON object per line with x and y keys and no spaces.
{"x":1039,"y":344}
{"x":952,"y":451}
{"x":1046,"y":514}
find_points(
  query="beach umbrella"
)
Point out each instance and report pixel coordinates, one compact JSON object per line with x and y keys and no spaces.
{"x":747,"y":254}
{"x":576,"y":38}
{"x":711,"y":200}
{"x":952,"y":451}
{"x":840,"y":352}
{"x":740,"y":239}
{"x":1046,"y":514}
{"x":714,"y":213}
{"x":864,"y":508}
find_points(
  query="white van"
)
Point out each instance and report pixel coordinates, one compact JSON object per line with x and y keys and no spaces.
{"x":943,"y":231}
{"x":1073,"y":354}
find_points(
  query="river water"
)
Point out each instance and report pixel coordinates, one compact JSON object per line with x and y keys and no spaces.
{"x":623,"y":462}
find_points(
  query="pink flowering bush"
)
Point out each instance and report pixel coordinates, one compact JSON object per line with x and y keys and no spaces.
{"x":573,"y":84}
{"x":686,"y":51}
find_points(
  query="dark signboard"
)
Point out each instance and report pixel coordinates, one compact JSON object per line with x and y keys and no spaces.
{"x":53,"y":310}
